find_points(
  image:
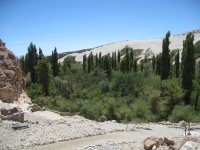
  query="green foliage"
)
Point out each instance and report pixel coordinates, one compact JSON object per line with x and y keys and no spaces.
{"x":43,"y":75}
{"x":54,"y":63}
{"x":165,"y":69}
{"x":197,"y":49}
{"x":84,"y":63}
{"x":141,"y":111}
{"x":126,"y":84}
{"x":34,"y":91}
{"x":186,"y":113}
{"x":177,"y":64}
{"x":32,"y":58}
{"x":98,"y":90}
{"x":188,"y":66}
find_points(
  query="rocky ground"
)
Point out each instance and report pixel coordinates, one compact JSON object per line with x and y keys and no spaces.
{"x":76,"y":132}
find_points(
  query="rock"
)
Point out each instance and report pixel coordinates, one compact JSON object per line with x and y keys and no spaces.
{"x":11,"y":75}
{"x":34,"y":108}
{"x":161,"y":141}
{"x":10,"y":111}
{"x":150,"y":142}
{"x":168,"y":141}
{"x":182,"y":123}
{"x":190,"y":145}
{"x":15,"y":117}
{"x":190,"y":138}
{"x":14,"y":114}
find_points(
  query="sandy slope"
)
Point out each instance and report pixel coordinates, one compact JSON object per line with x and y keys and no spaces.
{"x":154,"y":45}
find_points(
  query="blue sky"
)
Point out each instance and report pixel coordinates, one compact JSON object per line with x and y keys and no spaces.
{"x":77,"y":24}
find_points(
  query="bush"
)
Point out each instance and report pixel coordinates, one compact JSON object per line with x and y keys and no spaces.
{"x":123,"y":113}
{"x":141,"y":112}
{"x":34,"y":91}
{"x":126,"y":84}
{"x":186,"y":113}
{"x":104,"y":86}
{"x":154,"y":100}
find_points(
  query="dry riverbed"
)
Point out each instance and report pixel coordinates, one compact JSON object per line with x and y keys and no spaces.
{"x":76,"y":132}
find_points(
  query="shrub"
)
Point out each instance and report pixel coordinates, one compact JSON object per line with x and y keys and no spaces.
{"x":141,"y":112}
{"x":123,"y":113}
{"x":186,"y":113}
{"x":154,"y":100}
{"x":126,"y":84}
{"x":34,"y":91}
{"x":104,"y":86}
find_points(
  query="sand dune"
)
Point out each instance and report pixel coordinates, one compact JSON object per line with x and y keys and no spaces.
{"x":153,"y":45}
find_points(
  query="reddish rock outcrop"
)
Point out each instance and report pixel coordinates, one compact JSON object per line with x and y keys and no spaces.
{"x":11,"y":75}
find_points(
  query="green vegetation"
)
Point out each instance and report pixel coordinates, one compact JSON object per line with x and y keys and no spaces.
{"x":118,"y":86}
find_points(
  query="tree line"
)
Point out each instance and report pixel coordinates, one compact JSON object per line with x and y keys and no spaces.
{"x":162,"y":64}
{"x":40,"y":67}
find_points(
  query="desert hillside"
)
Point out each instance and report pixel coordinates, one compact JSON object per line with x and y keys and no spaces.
{"x":149,"y":46}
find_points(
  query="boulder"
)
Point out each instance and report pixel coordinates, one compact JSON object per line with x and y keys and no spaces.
{"x":12,"y":113}
{"x":150,"y":142}
{"x":14,"y":117}
{"x":190,"y":145}
{"x":11,"y":75}
{"x":168,"y":141}
{"x":34,"y":108}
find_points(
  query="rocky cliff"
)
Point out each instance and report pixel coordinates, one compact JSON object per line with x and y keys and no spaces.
{"x":11,"y":75}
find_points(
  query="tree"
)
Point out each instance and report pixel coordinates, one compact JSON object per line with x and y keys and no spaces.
{"x":43,"y":75}
{"x":122,"y":66}
{"x":40,"y":54}
{"x":188,"y":67}
{"x":165,"y":69}
{"x":153,"y":62}
{"x":141,"y":66}
{"x":114,"y":61}
{"x":127,"y":60}
{"x":23,"y":65}
{"x":84,"y":63}
{"x":90,"y":62}
{"x":96,"y":61}
{"x":158,"y":64}
{"x":100,"y":60}
{"x":131,"y":60}
{"x":177,"y":64}
{"x":54,"y":63}
{"x":108,"y":66}
{"x":118,"y":57}
{"x":32,"y":61}
{"x":135,"y":65}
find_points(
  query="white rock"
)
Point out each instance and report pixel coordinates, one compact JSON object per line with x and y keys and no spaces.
{"x":190,"y":145}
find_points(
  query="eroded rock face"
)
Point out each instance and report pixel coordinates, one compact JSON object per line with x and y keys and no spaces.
{"x":11,"y":75}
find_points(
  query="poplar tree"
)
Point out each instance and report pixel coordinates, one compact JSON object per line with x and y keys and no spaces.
{"x":118,"y":57}
{"x":153,"y":62}
{"x":127,"y":60}
{"x":177,"y":64}
{"x":131,"y":60}
{"x":188,"y":67}
{"x":41,"y":55}
{"x":32,"y":61}
{"x":158,"y":64}
{"x":135,"y":65}
{"x":84,"y":63}
{"x":96,"y":61}
{"x":165,"y":69}
{"x":100,"y":60}
{"x":54,"y":63}
{"x":43,"y":75}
